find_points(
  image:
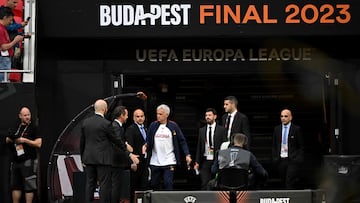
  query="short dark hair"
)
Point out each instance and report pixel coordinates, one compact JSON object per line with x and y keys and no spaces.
{"x":211,"y":110}
{"x":5,"y":12}
{"x":240,"y":138}
{"x":232,"y":99}
{"x":119,"y":110}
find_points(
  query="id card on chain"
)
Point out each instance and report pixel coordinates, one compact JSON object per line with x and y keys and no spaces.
{"x":19,"y":149}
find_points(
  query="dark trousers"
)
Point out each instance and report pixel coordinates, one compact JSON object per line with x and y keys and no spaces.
{"x":140,"y":178}
{"x":162,"y":172}
{"x":289,"y":173}
{"x":98,"y":174}
{"x":205,"y":173}
{"x":119,"y":184}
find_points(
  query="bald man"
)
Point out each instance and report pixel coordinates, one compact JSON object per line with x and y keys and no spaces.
{"x":136,"y":137}
{"x":25,"y":141}
{"x":97,"y":137}
{"x":288,"y":150}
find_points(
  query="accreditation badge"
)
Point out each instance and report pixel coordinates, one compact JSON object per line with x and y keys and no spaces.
{"x":19,"y":149}
{"x":210,"y":154}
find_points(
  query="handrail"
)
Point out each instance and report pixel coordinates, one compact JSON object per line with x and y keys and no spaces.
{"x":12,"y":71}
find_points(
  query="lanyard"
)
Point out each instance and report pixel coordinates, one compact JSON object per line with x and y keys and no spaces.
{"x":18,"y":130}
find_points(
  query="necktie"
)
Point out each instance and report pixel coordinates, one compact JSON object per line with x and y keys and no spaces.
{"x":142,"y":130}
{"x":285,"y":135}
{"x":227,"y":123}
{"x":210,"y":138}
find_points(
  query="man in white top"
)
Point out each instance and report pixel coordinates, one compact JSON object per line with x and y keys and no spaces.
{"x":164,"y":142}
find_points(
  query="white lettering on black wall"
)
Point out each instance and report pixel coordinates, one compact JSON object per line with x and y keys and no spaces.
{"x":132,"y":15}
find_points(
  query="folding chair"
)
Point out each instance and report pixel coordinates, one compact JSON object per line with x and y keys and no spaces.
{"x":233,"y":179}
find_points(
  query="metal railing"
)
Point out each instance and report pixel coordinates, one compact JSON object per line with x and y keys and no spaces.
{"x":6,"y":72}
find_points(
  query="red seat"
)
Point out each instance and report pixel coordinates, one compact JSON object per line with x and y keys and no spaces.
{"x":14,"y":77}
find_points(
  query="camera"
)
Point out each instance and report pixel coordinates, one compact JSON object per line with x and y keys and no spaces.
{"x":27,"y":36}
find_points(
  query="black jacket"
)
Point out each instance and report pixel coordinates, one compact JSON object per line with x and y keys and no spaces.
{"x":97,"y":138}
{"x":219,"y":138}
{"x":295,"y":144}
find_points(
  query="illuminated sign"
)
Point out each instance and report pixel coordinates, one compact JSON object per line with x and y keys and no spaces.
{"x":260,"y":14}
{"x":220,"y":55}
{"x":136,"y":18}
{"x":178,"y":14}
{"x":126,"y":15}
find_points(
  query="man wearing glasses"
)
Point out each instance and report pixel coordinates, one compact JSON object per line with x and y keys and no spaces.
{"x":288,"y":150}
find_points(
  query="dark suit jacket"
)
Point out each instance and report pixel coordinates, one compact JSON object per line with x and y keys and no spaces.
{"x":219,"y":137}
{"x":96,"y":141}
{"x":240,"y":125}
{"x":121,"y":156}
{"x":295,"y":144}
{"x":134,"y":137}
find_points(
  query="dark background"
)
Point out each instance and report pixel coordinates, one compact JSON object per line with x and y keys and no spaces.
{"x":69,"y":81}
{"x":76,"y":66}
{"x":76,"y":78}
{"x":85,"y":20}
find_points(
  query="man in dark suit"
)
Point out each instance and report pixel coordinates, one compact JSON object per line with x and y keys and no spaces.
{"x":209,"y":141}
{"x":136,"y":137}
{"x":288,"y":150}
{"x":96,"y":152}
{"x":235,"y":121}
{"x":121,"y":162}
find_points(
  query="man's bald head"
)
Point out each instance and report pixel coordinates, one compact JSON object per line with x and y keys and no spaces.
{"x":25,"y":115}
{"x":100,"y":106}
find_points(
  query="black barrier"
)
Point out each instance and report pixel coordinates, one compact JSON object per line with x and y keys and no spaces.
{"x":341,"y":178}
{"x":260,"y":196}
